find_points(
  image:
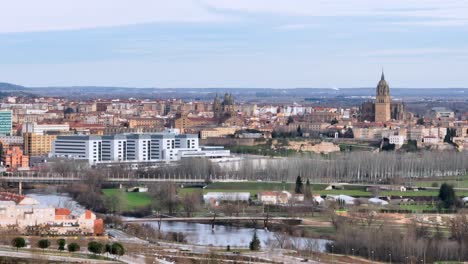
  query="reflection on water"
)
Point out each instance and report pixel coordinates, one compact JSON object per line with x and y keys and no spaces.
{"x":201,"y":234}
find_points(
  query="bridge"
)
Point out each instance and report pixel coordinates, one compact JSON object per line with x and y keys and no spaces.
{"x":55,"y":178}
{"x":27,"y":177}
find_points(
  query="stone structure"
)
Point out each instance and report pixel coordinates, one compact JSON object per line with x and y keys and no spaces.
{"x":382,"y":109}
{"x":382,"y":101}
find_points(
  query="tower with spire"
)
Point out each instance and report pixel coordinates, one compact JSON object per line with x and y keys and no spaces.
{"x":382,"y":101}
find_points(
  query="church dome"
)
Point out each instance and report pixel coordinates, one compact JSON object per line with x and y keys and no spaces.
{"x":382,"y":87}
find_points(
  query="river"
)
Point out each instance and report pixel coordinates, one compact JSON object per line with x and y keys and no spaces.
{"x":202,"y":234}
{"x":198,"y":234}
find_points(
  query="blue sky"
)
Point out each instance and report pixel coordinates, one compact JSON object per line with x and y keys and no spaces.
{"x":234,"y":43}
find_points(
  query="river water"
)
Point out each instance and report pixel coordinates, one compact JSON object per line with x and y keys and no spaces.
{"x":199,"y":234}
{"x":202,"y":234}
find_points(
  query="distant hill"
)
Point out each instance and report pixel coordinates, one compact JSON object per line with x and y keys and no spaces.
{"x":11,"y":87}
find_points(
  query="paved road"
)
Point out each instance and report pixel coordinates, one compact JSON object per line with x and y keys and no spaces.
{"x":29,"y":255}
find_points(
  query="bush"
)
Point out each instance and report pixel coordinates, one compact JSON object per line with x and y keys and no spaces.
{"x":18,"y":242}
{"x":73,"y":247}
{"x":117,"y":249}
{"x":95,"y":247}
{"x":435,"y":184}
{"x":61,"y":244}
{"x":43,"y":243}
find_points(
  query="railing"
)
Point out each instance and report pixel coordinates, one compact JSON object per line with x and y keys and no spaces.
{"x":55,"y":177}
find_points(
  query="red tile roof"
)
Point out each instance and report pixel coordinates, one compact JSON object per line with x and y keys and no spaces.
{"x":6,"y":196}
{"x":62,"y":211}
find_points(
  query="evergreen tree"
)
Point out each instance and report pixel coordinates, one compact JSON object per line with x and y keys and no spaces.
{"x":73,"y":247}
{"x":43,"y":243}
{"x":95,"y":247}
{"x":117,"y":249}
{"x":61,"y":244}
{"x":299,"y":185}
{"x":308,"y":191}
{"x":18,"y":242}
{"x":447,"y":196}
{"x":255,"y":243}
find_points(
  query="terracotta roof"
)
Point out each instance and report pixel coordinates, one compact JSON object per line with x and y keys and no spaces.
{"x":6,"y":196}
{"x":62,"y":211}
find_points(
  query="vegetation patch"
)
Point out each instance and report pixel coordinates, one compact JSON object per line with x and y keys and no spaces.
{"x":132,"y":200}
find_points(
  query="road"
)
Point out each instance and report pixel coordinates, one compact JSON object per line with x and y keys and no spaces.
{"x":9,"y":252}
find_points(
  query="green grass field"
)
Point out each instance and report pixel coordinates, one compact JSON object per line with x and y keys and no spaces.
{"x":133,"y":199}
{"x":461,"y":182}
{"x":356,"y":191}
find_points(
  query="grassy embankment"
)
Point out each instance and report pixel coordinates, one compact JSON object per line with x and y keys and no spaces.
{"x":356,"y":191}
{"x":457,"y":182}
{"x":133,"y":200}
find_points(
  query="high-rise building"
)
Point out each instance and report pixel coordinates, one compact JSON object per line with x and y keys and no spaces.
{"x":382,"y":101}
{"x":5,"y":122}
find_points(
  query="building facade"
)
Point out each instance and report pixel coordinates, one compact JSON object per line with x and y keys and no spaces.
{"x":13,"y":158}
{"x":37,"y":144}
{"x":27,"y":215}
{"x":5,"y":122}
{"x":166,"y":146}
{"x":382,"y":101}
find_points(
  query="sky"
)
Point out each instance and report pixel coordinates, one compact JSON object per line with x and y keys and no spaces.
{"x":234,"y":43}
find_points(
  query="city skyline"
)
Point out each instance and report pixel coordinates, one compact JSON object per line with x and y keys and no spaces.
{"x":268,"y":44}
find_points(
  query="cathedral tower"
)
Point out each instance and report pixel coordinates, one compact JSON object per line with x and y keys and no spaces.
{"x":382,"y":101}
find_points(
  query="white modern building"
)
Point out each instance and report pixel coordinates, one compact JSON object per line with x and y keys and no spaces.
{"x":397,"y":139}
{"x":32,"y":127}
{"x":166,"y":146}
{"x":216,"y":197}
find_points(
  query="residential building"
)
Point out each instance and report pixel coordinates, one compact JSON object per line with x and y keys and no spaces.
{"x":41,"y":129}
{"x":216,"y":197}
{"x":5,"y":122}
{"x":26,"y":214}
{"x":37,"y":144}
{"x":14,"y":159}
{"x":145,"y":122}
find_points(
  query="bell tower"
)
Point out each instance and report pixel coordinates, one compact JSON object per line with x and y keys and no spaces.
{"x":382,"y":101}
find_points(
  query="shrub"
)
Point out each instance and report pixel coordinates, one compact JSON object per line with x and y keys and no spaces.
{"x":73,"y":247}
{"x":95,"y":247}
{"x":18,"y":242}
{"x":43,"y":243}
{"x":61,"y":244}
{"x":117,"y":249}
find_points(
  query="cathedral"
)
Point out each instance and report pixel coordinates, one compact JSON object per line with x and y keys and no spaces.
{"x":382,"y":109}
{"x":225,"y":108}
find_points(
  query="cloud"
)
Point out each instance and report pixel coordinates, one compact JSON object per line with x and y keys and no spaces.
{"x":415,"y":52}
{"x":433,"y":23}
{"x":47,"y":15}
{"x":453,"y":9}
{"x":296,"y":26}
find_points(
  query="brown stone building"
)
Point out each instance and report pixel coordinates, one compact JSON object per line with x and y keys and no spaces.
{"x":383,"y":109}
{"x":14,"y":159}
